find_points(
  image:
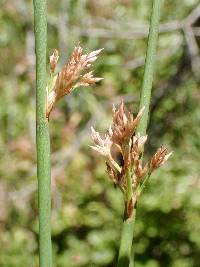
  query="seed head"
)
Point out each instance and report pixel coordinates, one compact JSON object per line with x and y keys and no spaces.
{"x":71,"y":77}
{"x":124,"y":125}
{"x":132,"y":174}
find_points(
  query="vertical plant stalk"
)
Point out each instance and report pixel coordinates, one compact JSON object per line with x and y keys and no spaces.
{"x":126,"y":240}
{"x":145,"y":97}
{"x":42,"y":136}
{"x":127,"y":228}
{"x":125,"y":258}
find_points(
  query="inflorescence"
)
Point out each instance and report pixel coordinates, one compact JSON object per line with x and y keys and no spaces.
{"x":71,"y":76}
{"x":131,"y":175}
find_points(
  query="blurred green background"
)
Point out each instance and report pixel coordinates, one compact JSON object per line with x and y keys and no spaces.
{"x":86,"y":209}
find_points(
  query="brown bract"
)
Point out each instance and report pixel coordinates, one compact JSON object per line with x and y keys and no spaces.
{"x":112,"y":173}
{"x":53,"y":60}
{"x":70,"y":77}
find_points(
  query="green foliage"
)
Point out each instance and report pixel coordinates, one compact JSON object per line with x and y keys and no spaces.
{"x":87,"y":210}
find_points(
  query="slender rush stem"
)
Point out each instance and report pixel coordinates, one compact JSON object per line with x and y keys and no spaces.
{"x":127,"y":230}
{"x":145,"y":97}
{"x":42,"y":136}
{"x":126,"y":241}
{"x":149,"y":66}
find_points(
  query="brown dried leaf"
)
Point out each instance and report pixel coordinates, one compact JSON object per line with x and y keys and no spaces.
{"x":53,"y":60}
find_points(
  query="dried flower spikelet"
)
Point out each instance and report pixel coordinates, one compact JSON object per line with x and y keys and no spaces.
{"x":138,"y":143}
{"x":124,"y":125}
{"x":133,"y":156}
{"x":102,"y":146}
{"x":159,"y":158}
{"x":70,"y":77}
{"x":87,"y":80}
{"x":53,"y":60}
{"x":140,"y":171}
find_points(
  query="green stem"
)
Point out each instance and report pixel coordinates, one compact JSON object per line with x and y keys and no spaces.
{"x":128,"y":226}
{"x":145,"y":97}
{"x":142,"y":186}
{"x":149,"y":66}
{"x":126,"y":241}
{"x":131,"y":263}
{"x":42,"y":136}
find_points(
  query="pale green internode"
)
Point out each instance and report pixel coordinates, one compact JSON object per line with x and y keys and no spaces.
{"x":145,"y":97}
{"x":42,"y":136}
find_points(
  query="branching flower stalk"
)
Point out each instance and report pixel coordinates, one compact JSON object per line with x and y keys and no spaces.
{"x":62,"y":83}
{"x":131,"y":174}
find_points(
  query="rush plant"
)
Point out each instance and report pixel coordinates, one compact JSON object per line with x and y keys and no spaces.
{"x":127,"y":134}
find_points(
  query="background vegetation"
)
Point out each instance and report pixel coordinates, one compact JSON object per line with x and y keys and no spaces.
{"x":87,"y":210}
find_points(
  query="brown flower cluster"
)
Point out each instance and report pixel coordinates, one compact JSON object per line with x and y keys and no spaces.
{"x":71,"y":76}
{"x":121,"y":136}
